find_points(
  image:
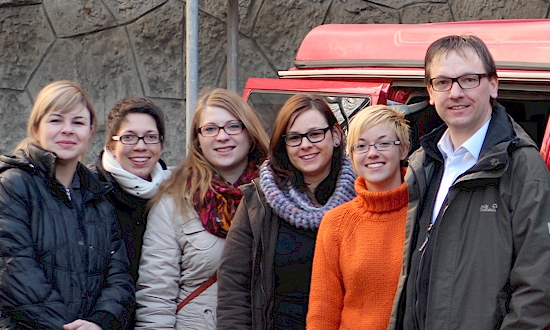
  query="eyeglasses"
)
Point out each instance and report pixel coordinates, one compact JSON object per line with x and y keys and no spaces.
{"x":213,"y":130}
{"x":362,"y":148}
{"x":132,"y":139}
{"x":467,"y":81}
{"x":315,"y":136}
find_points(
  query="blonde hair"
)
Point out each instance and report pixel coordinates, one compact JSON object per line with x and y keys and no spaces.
{"x":62,"y":96}
{"x":374,"y":115}
{"x":195,"y":172}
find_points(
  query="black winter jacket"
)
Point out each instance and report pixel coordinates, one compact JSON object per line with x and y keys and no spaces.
{"x":485,"y":263}
{"x":58,"y":262}
{"x":131,"y":212}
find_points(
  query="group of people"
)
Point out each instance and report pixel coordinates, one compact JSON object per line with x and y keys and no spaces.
{"x":308,"y":228}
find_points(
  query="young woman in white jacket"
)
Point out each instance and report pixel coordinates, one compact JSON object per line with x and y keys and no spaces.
{"x":192,"y":212}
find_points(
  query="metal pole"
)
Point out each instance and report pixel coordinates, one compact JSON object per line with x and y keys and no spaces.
{"x":191,"y":64}
{"x":232,"y":44}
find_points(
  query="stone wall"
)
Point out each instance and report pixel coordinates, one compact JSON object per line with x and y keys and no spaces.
{"x":120,"y":48}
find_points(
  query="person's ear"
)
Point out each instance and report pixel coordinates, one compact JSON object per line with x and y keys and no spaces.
{"x":430,"y":91}
{"x":34,"y":134}
{"x":494,"y":87}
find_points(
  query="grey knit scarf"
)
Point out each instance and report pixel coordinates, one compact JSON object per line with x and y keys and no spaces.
{"x":295,"y":207}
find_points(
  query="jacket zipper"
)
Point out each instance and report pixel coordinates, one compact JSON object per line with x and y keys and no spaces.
{"x":422,"y":250}
{"x":262,"y":287}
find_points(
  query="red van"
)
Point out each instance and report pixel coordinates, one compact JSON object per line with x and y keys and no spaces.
{"x":355,"y":65}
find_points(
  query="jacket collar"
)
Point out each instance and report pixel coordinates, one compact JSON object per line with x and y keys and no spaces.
{"x":43,"y":163}
{"x":503,"y":136}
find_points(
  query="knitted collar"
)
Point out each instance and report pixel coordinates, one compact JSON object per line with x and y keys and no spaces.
{"x":381,"y":202}
{"x":295,"y":207}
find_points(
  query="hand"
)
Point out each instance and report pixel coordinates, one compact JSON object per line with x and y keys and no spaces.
{"x":81,"y":325}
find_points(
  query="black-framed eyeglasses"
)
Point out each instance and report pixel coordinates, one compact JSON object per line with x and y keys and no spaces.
{"x":314,"y":136}
{"x":467,"y":81}
{"x":232,"y":128}
{"x":132,"y":139}
{"x":361,"y":148}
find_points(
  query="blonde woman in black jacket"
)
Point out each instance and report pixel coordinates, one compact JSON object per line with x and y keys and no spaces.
{"x":63,"y":262}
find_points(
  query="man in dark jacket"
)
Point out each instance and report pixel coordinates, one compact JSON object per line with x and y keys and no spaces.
{"x":477,"y":252}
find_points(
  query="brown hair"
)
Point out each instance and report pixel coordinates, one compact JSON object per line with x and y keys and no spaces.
{"x":128,"y":105}
{"x":60,"y":96}
{"x":278,"y":157}
{"x":195,"y":173}
{"x":460,"y":44}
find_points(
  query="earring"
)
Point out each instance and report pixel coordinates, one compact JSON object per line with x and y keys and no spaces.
{"x":336,"y":144}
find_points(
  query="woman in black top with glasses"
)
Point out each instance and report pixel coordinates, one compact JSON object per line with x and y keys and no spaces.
{"x":130,"y":161}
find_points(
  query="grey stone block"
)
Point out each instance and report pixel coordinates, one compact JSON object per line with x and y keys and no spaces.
{"x":157,"y":40}
{"x":24,"y":38}
{"x":76,"y":17}
{"x":15,"y":107}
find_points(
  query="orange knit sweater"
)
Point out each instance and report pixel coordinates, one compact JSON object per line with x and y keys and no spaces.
{"x":357,"y":261}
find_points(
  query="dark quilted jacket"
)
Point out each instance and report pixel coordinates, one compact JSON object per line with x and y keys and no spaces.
{"x":58,"y":263}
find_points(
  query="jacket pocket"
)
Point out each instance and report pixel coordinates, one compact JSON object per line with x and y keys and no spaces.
{"x":198,"y":237}
{"x":209,"y":319}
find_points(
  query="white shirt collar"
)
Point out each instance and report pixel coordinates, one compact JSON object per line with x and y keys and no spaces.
{"x":472,"y":145}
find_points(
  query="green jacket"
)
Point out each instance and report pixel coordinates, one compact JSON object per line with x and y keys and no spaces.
{"x":490,"y":247}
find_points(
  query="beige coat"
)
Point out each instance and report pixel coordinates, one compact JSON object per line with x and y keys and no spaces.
{"x":178,"y":255}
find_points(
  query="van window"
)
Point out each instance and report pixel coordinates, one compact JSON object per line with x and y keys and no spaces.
{"x":529,"y":108}
{"x":268,"y":104}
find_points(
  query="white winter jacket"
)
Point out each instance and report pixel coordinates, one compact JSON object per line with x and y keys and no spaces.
{"x":178,"y":256}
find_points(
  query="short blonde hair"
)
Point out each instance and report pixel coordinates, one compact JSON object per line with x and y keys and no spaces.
{"x":60,"y":96}
{"x":374,"y":115}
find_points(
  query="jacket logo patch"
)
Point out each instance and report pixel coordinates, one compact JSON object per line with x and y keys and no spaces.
{"x":487,"y":208}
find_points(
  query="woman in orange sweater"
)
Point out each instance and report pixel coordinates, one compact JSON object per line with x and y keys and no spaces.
{"x":359,"y":247}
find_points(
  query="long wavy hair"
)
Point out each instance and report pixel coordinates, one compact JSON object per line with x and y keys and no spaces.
{"x":195,"y":172}
{"x":279,"y":161}
{"x":62,"y":96}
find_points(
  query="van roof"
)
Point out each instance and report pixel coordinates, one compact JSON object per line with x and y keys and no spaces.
{"x":514,"y":44}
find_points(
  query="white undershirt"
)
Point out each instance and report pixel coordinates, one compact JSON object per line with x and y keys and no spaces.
{"x":457,"y":161}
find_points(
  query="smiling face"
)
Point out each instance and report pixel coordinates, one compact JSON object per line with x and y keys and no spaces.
{"x":311,"y":159}
{"x":463,"y":110}
{"x":139,"y":159}
{"x":227,"y":153}
{"x":65,"y":133}
{"x":380,"y":169}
